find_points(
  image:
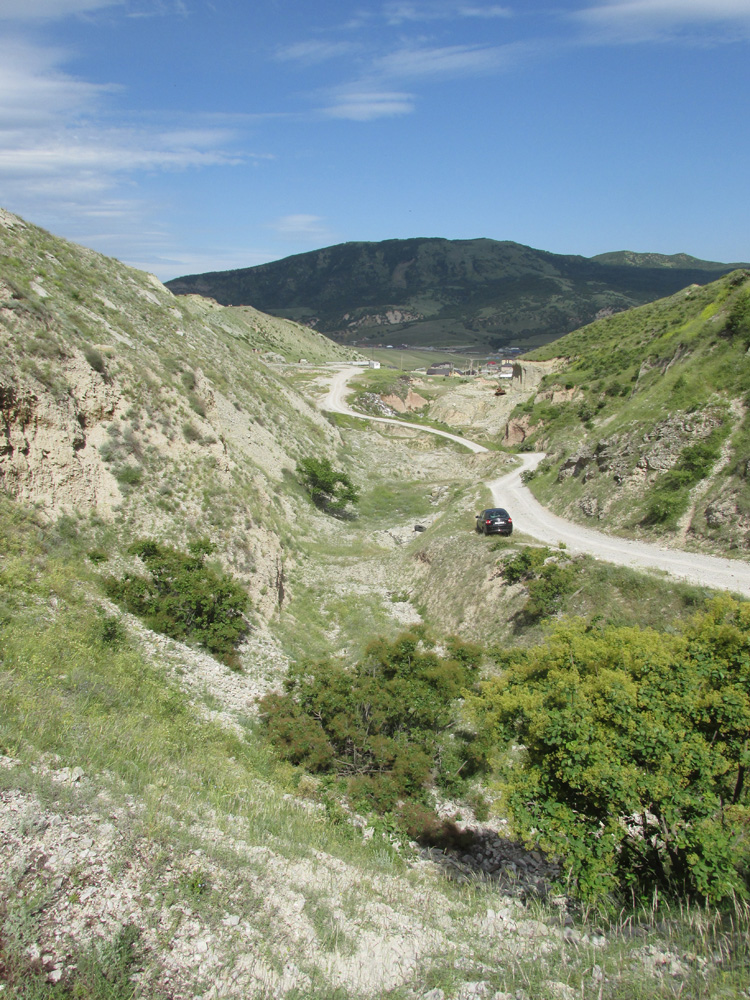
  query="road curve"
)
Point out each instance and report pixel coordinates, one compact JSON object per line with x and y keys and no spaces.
{"x":533,"y":519}
{"x":335,"y":402}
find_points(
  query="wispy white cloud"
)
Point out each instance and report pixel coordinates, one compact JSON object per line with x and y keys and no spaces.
{"x":35,"y":93}
{"x":360,"y":104}
{"x":64,"y":156}
{"x":488,"y":12}
{"x":448,"y":61}
{"x":156,"y":8}
{"x":56,"y":10}
{"x":402,"y":11}
{"x":315,"y":51}
{"x":48,"y":10}
{"x":644,"y":20}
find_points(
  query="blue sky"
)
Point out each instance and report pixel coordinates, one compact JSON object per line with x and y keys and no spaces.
{"x":192,"y":135}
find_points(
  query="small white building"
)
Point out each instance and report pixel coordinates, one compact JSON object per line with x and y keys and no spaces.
{"x":373,"y":364}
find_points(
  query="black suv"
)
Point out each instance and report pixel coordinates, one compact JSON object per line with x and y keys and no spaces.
{"x":495,"y":521}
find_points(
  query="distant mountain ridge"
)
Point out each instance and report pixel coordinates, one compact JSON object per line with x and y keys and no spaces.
{"x":481,"y":292}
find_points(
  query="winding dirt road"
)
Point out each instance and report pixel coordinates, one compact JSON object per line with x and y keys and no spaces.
{"x":533,"y":519}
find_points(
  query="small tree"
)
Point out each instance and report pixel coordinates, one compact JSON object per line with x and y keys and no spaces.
{"x":329,"y":490}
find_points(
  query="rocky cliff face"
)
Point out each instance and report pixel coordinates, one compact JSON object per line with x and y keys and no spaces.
{"x":49,"y":447}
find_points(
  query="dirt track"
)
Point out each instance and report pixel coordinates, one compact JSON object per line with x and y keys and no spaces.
{"x":531,"y":518}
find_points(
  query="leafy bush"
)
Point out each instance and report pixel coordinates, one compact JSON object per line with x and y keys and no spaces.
{"x":129,"y":475}
{"x":525,"y":564}
{"x":389,"y":725}
{"x":548,"y":589}
{"x":547,"y":580}
{"x":329,"y":490}
{"x":184,"y":598}
{"x":634,"y":752}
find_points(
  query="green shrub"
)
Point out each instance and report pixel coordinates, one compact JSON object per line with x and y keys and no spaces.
{"x":627,"y":752}
{"x":525,"y":564}
{"x":547,"y":579}
{"x":184,"y":598}
{"x":389,"y":725}
{"x":129,"y":475}
{"x":96,"y":360}
{"x":546,"y":592}
{"x":329,"y":490}
{"x":669,"y":495}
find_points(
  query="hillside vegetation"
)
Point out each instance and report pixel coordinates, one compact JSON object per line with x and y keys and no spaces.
{"x":646,"y":420}
{"x":261,"y":737}
{"x":437,"y":292}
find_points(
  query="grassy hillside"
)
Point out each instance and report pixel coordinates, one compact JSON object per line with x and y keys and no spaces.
{"x":449,"y":292}
{"x":646,"y":422}
{"x":155,"y":415}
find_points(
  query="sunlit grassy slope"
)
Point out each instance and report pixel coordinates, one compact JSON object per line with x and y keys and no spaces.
{"x":646,"y":421}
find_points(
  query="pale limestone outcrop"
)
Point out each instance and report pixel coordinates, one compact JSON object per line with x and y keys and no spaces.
{"x":49,"y":445}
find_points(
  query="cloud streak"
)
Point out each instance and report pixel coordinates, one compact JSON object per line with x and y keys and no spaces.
{"x":63,"y":156}
{"x":647,"y":20}
{"x":397,"y":13}
{"x":313,"y":52}
{"x":50,"y":10}
{"x":303,"y":228}
{"x":360,"y":104}
{"x":448,"y":61}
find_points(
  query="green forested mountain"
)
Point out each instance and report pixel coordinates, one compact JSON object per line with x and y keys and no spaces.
{"x":446,"y":292}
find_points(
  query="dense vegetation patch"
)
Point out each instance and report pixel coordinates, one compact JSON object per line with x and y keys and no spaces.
{"x":184,"y":598}
{"x":626,"y":751}
{"x":388,"y":726}
{"x":548,"y":578}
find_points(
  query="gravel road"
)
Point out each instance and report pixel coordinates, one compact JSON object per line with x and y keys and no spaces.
{"x":335,"y":402}
{"x":530,"y":517}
